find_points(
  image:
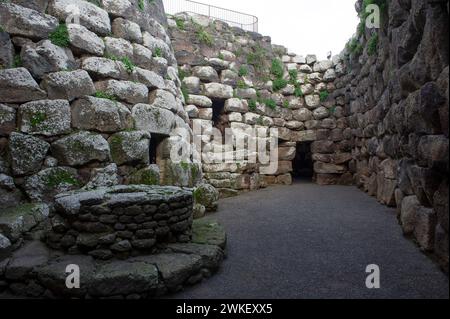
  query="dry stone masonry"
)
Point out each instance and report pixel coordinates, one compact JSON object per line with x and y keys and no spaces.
{"x":89,"y":102}
{"x":239,"y":80}
{"x":121,"y":220}
{"x":396,"y":92}
{"x":93,"y":101}
{"x":375,"y":116}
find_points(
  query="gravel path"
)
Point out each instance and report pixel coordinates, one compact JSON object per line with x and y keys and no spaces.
{"x":310,"y":241}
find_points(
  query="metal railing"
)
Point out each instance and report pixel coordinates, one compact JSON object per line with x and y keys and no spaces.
{"x":233,"y":18}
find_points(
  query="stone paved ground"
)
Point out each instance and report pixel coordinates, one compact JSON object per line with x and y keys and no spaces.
{"x":308,"y":241}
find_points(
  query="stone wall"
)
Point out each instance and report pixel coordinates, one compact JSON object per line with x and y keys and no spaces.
{"x":121,"y":221}
{"x":239,"y":80}
{"x":381,"y":125}
{"x":396,"y":93}
{"x":83,"y":105}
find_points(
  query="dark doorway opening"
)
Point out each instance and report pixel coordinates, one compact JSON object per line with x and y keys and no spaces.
{"x":219,"y":118}
{"x":155,"y":142}
{"x":303,"y":163}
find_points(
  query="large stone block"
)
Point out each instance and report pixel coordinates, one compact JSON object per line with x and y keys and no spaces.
{"x":218,"y":91}
{"x":149,"y":175}
{"x":206,"y":74}
{"x":207,"y":196}
{"x":44,"y":185}
{"x":235,"y":105}
{"x":130,"y":147}
{"x":103,"y":177}
{"x":424,"y":229}
{"x":165,"y":100}
{"x":45,"y":117}
{"x":200,"y":100}
{"x":6,"y":51}
{"x":324,"y":147}
{"x":102,"y":115}
{"x":284,"y":167}
{"x":91,"y":16}
{"x":432,"y":151}
{"x":18,"y":86}
{"x":408,"y":215}
{"x":127,"y":30}
{"x":44,"y":57}
{"x":327,"y":168}
{"x":151,"y":79}
{"x":7,"y":119}
{"x":81,"y":148}
{"x":21,"y":21}
{"x":117,"y":47}
{"x":129,"y":92}
{"x":304,"y":136}
{"x":100,"y":68}
{"x":302,"y":115}
{"x":68,"y":85}
{"x":27,"y":153}
{"x":154,"y":43}
{"x":180,"y":174}
{"x":153,"y":119}
{"x":84,"y":41}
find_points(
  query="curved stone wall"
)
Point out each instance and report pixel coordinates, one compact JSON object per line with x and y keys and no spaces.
{"x":381,"y":125}
{"x":260,"y":86}
{"x":90,"y":99}
{"x":397,"y":99}
{"x":88,"y":91}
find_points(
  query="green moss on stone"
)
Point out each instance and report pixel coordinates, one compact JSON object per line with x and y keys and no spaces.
{"x":208,"y":232}
{"x":37,"y":118}
{"x":60,"y":177}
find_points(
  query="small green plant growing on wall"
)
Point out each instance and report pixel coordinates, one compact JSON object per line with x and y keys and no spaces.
{"x":157,"y":53}
{"x":60,"y":36}
{"x":180,"y":23}
{"x":17,"y":61}
{"x":104,"y":95}
{"x":242,"y":85}
{"x":298,"y":91}
{"x":354,"y":47}
{"x":37,"y":118}
{"x":203,"y":36}
{"x":270,"y":103}
{"x":141,"y":4}
{"x":185,"y":93}
{"x":129,"y":65}
{"x":243,"y":70}
{"x":279,"y":84}
{"x":260,"y":121}
{"x":252,"y":105}
{"x":324,"y":96}
{"x":286,"y":104}
{"x":293,"y":75}
{"x":61,"y":177}
{"x":181,"y":74}
{"x":277,"y":68}
{"x":372,"y":45}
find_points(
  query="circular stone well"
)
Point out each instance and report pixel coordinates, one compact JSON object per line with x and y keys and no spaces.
{"x":121,"y":221}
{"x":128,"y":242}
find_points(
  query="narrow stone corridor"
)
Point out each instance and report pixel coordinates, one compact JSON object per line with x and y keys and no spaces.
{"x":308,"y":241}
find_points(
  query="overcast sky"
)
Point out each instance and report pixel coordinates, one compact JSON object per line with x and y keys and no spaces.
{"x":303,"y":26}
